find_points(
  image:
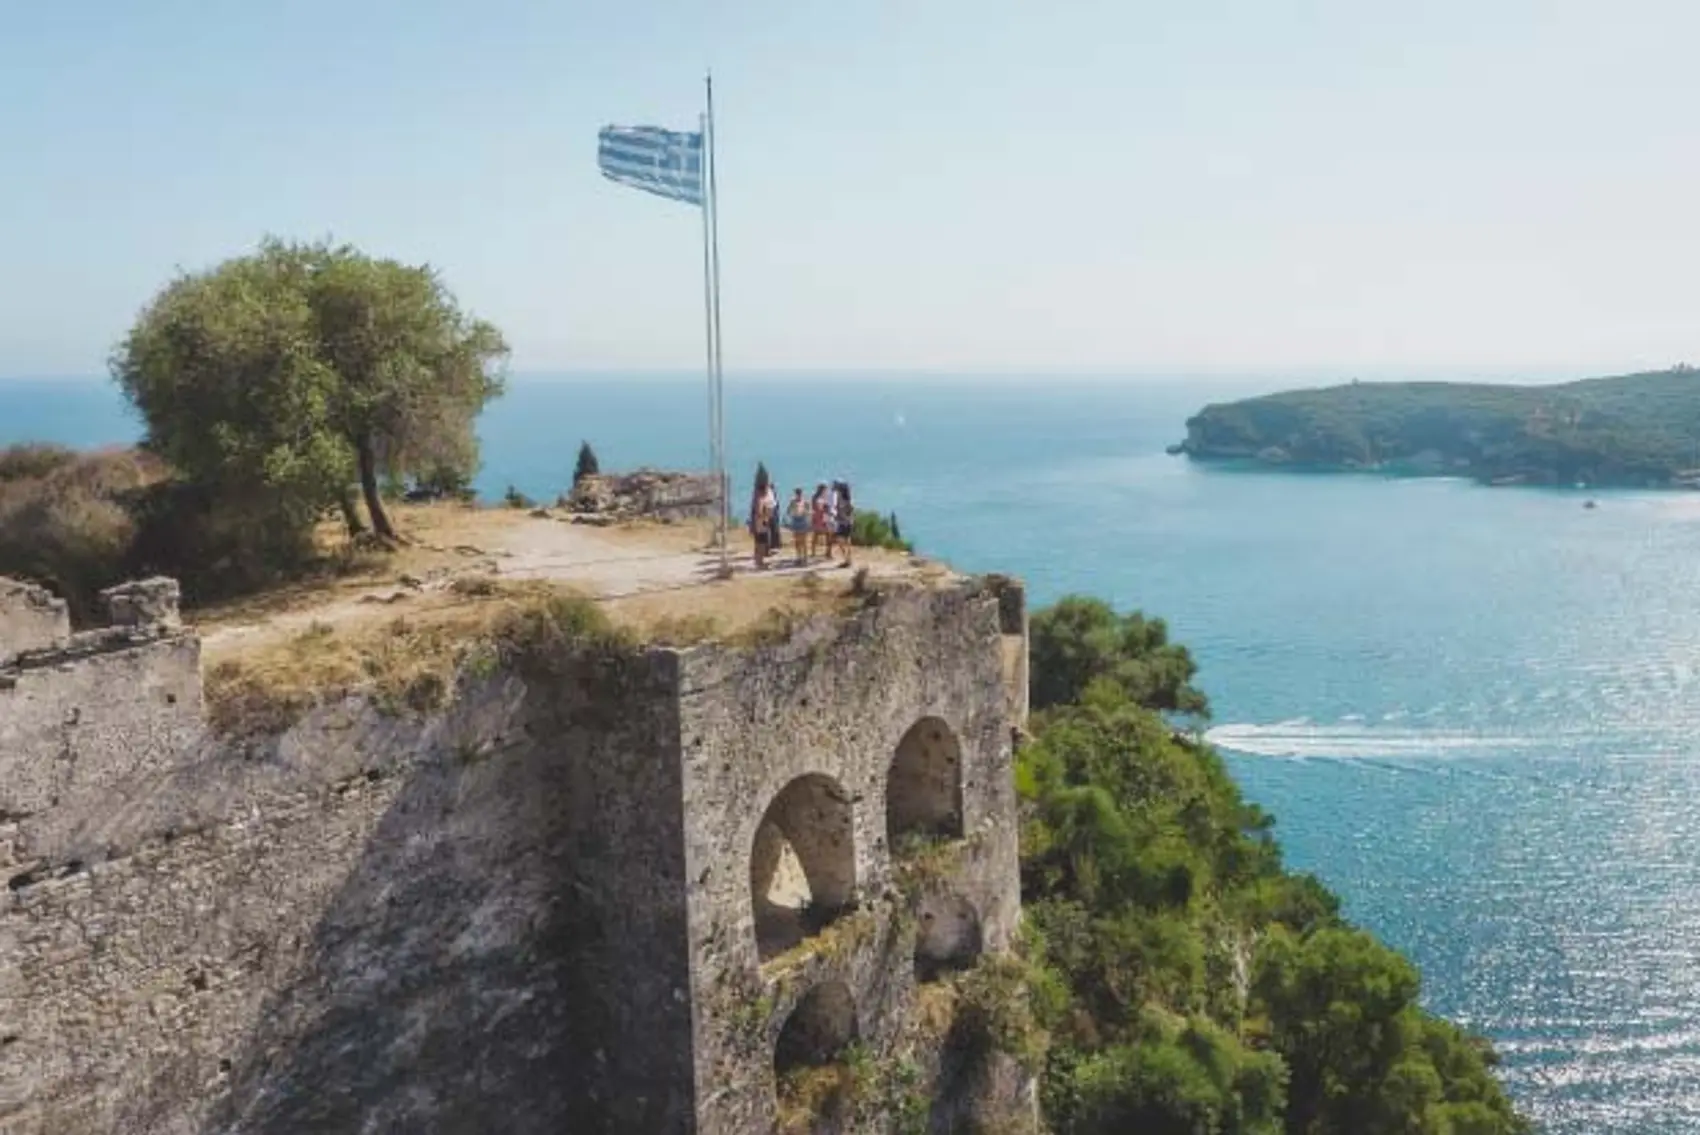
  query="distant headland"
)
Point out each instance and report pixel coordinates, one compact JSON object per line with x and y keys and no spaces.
{"x":1635,"y":430}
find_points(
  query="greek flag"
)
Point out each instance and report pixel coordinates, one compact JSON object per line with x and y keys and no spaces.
{"x":667,"y":163}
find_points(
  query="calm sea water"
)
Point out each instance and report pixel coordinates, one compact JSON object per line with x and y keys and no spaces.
{"x":1475,"y":712}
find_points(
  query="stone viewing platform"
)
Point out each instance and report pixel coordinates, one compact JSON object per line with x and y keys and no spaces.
{"x":536,"y":826}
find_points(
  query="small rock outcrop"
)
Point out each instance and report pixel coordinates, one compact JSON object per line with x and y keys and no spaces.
{"x":650,"y":494}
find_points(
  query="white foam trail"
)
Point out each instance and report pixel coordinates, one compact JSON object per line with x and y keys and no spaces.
{"x":1348,"y":740}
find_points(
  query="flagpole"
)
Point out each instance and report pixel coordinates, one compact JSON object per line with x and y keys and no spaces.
{"x":719,"y":364}
{"x":708,"y":329}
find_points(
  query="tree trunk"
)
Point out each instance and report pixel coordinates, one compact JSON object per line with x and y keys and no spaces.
{"x":369,"y":487}
{"x":350,"y":513}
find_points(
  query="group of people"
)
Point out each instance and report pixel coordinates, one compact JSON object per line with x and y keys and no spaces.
{"x":821,"y":525}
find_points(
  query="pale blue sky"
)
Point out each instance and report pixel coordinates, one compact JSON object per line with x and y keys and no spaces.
{"x":1214,"y":184}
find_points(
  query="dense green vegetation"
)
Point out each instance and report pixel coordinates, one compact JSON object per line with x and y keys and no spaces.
{"x":1187,"y":982}
{"x":1640,"y":429}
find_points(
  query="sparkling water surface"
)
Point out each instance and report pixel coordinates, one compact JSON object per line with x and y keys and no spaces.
{"x":1475,"y":712}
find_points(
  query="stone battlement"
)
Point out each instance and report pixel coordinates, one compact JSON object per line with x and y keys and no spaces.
{"x":598,"y":892}
{"x":31,"y":618}
{"x":81,"y":713}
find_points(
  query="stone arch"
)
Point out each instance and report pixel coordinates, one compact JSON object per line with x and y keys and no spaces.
{"x":947,"y":935}
{"x":818,"y":1030}
{"x":802,"y":863}
{"x":923,"y":788}
{"x":811,"y":1072}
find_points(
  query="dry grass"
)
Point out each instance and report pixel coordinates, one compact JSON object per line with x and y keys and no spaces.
{"x":746,"y":611}
{"x":62,"y":522}
{"x":835,"y":941}
{"x":935,"y":1009}
{"x":407,"y":664}
{"x":919,"y":858}
{"x":441,"y":539}
{"x":809,"y":1095}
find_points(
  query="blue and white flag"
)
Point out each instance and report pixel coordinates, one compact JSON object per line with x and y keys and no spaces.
{"x":667,"y":163}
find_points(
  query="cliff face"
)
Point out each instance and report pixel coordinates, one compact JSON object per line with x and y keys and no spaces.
{"x":596,"y":892}
{"x":1635,"y":430}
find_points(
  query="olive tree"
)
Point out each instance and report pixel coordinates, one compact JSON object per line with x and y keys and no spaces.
{"x":288,"y":376}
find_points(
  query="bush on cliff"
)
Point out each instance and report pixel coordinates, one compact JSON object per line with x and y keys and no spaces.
{"x":1203,"y":987}
{"x":871,"y":530}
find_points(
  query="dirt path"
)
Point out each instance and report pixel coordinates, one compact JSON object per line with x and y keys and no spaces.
{"x":618,"y":564}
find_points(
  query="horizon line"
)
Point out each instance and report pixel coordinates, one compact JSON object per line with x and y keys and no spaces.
{"x":1136,"y":372}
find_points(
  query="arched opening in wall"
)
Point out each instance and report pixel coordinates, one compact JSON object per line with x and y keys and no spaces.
{"x":803,"y":863}
{"x":810,"y":1071}
{"x":947,"y":936}
{"x":923,"y":790}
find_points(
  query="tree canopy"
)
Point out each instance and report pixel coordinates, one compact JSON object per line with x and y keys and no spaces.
{"x":286,"y":377}
{"x":1080,"y":640}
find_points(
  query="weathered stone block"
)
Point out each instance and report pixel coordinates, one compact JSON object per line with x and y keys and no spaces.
{"x":143,"y":603}
{"x":646,"y":493}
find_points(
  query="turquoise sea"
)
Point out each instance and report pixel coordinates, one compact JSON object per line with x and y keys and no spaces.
{"x":1475,"y":712}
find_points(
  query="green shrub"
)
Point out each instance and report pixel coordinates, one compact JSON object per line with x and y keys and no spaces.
{"x":587,"y":465}
{"x":871,"y":530}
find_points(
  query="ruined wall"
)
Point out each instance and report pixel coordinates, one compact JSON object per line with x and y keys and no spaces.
{"x":647,"y":493}
{"x":370,"y":923}
{"x":81,"y":720}
{"x":30,"y":619}
{"x":837,"y":701}
{"x":531,"y":912}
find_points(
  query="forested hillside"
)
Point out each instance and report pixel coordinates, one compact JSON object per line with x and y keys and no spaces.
{"x":1639,"y":430}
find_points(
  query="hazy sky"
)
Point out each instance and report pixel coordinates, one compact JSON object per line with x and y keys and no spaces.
{"x":918,"y":184}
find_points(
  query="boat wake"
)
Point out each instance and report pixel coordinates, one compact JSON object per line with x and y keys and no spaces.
{"x":1353,"y":740}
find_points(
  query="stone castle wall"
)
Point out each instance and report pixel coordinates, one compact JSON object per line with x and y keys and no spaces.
{"x":82,"y":713}
{"x":835,"y":744}
{"x":532,"y":912}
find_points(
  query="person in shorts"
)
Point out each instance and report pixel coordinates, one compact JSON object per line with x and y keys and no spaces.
{"x":820,"y":521}
{"x":799,"y":520}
